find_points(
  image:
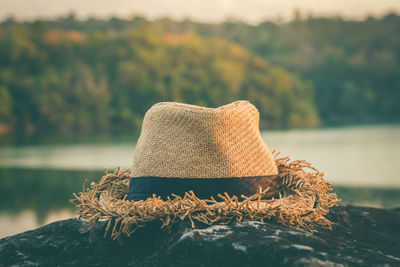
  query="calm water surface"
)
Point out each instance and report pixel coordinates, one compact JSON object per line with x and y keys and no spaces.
{"x":37,"y":178}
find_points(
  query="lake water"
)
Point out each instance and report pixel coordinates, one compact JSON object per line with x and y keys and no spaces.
{"x":38,"y":176}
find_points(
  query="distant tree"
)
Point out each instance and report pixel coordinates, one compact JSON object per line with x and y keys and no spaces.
{"x":72,"y":75}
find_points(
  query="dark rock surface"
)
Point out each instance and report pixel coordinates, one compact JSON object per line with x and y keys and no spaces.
{"x":360,"y":236}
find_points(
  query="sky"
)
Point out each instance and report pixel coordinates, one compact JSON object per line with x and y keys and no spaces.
{"x":251,"y":11}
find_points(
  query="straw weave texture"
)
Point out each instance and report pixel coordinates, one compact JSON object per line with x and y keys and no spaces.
{"x":187,"y":141}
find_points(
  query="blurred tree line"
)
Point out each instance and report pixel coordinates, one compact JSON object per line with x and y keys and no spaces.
{"x":354,"y":66}
{"x":69,"y":75}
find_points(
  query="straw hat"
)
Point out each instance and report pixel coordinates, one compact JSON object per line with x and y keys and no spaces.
{"x":207,"y":165}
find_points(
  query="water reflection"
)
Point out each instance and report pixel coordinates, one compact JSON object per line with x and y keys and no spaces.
{"x":356,"y":156}
{"x":38,"y":192}
{"x":351,"y":156}
{"x":30,"y":198}
{"x":11,"y":224}
{"x":37,"y":180}
{"x":82,"y":156}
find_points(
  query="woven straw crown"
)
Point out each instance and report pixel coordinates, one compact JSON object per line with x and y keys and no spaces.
{"x":187,"y":141}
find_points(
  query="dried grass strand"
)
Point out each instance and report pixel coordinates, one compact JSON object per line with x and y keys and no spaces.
{"x":305,"y":198}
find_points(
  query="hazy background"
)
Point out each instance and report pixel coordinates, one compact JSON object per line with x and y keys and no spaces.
{"x":76,"y":78}
{"x":252,"y":11}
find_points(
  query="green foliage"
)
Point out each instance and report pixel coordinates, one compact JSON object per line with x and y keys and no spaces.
{"x":353,"y":65}
{"x":74,"y":76}
{"x":6,"y":114}
{"x":68,"y":75}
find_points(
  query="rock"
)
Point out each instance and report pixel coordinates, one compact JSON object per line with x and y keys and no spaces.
{"x":360,"y":236}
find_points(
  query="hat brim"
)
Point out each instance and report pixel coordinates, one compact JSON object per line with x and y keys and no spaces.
{"x":304,"y":200}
